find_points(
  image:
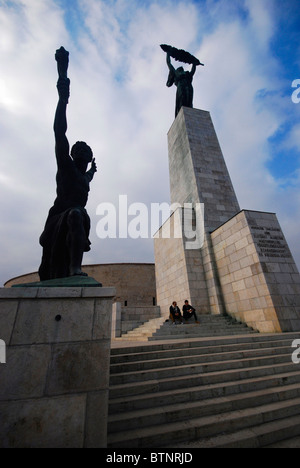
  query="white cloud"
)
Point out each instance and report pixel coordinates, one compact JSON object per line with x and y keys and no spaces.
{"x":293,"y":140}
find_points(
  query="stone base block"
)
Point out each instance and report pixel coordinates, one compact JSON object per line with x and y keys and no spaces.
{"x":54,"y":384}
{"x":179,"y":269}
{"x":259,"y":279}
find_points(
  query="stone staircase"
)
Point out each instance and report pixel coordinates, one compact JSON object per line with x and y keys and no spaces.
{"x":210,"y":325}
{"x":233,"y":391}
{"x":143,"y":332}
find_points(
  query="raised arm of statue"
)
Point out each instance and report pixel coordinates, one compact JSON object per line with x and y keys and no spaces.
{"x":171,"y":68}
{"x":193,"y":70}
{"x":90,"y":174}
{"x":60,"y":121}
{"x":172,"y":72}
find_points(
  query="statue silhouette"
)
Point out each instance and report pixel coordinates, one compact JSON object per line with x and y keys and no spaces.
{"x":66,"y":234}
{"x":181,"y":78}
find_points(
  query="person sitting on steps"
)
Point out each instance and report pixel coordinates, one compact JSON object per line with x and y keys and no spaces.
{"x":189,"y":311}
{"x":175,"y":313}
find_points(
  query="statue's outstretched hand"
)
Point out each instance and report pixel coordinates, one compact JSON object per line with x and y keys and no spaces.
{"x":91,"y":172}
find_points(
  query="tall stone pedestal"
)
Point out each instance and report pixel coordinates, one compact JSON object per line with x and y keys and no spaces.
{"x":198,"y":175}
{"x":198,"y":172}
{"x":54,"y":385}
{"x":243,"y":265}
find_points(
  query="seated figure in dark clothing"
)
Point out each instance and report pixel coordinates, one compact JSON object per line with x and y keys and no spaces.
{"x":175,"y":314}
{"x":66,"y":233}
{"x":189,"y":311}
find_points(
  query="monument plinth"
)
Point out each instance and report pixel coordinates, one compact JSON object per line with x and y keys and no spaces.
{"x":243,"y":267}
{"x":258,"y":276}
{"x":69,"y":281}
{"x":55,"y":383}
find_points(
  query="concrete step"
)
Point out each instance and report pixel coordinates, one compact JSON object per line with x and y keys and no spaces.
{"x":291,"y":442}
{"x":191,"y":380}
{"x":210,"y":325}
{"x":204,"y":427}
{"x":188,"y":410}
{"x":183,"y":330}
{"x":143,"y":331}
{"x":129,"y":325}
{"x":196,"y":348}
{"x":281,"y":433}
{"x":201,"y":368}
{"x":184,"y":343}
{"x":207,"y":323}
{"x":160,"y":398}
{"x":191,"y":359}
{"x":186,"y":335}
{"x":197,"y":328}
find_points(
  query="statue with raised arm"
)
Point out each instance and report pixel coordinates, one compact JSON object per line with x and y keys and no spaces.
{"x":66,"y":233}
{"x":181,"y":78}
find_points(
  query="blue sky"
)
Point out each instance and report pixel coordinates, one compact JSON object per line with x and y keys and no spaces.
{"x":121,"y":106}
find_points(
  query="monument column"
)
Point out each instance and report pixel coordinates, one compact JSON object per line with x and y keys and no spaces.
{"x":198,"y":175}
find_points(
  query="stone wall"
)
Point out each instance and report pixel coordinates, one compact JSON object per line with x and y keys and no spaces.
{"x":134,"y":282}
{"x":179,"y":271}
